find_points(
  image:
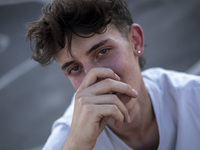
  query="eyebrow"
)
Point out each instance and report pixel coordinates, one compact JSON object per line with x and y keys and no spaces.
{"x":67,"y":64}
{"x":97,"y":46}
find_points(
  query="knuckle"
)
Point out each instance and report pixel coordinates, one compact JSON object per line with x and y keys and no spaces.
{"x":92,"y":70}
{"x":122,"y":118}
{"x":108,"y":81}
{"x":80,"y":98}
{"x":114,"y":98}
{"x":79,"y":93}
{"x":128,"y":88}
{"x":117,"y":113}
{"x":82,"y":101}
{"x":126,"y":112}
{"x":114,"y":109}
{"x":88,"y":109}
{"x":110,"y":71}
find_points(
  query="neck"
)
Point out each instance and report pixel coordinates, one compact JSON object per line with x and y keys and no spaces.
{"x":142,"y":132}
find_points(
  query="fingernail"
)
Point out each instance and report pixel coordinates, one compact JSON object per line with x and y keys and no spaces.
{"x":117,"y":76}
{"x":135,"y":92}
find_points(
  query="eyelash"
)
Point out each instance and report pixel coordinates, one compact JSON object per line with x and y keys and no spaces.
{"x":104,"y":50}
{"x":68,"y":72}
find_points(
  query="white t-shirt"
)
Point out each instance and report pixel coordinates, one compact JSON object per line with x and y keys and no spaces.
{"x":176,"y":101}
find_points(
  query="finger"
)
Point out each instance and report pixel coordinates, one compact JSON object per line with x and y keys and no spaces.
{"x":109,"y":85}
{"x":110,"y":99}
{"x":104,"y":122}
{"x":109,"y":111}
{"x":98,"y":73}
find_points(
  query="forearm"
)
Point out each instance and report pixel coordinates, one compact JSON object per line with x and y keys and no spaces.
{"x":73,"y":143}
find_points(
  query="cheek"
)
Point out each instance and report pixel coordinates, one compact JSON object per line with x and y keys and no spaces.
{"x":119,"y":65}
{"x":76,"y":82}
{"x":125,"y":68}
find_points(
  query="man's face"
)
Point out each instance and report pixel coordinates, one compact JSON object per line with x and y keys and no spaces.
{"x":108,"y":50}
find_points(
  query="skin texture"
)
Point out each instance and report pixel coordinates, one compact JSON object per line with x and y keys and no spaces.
{"x":105,"y":72}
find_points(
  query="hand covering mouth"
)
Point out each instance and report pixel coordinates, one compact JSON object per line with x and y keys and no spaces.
{"x":122,"y":97}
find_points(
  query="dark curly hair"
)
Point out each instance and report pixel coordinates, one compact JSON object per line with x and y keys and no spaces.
{"x":63,"y":18}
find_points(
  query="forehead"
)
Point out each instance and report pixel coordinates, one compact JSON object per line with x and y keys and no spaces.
{"x":81,"y":44}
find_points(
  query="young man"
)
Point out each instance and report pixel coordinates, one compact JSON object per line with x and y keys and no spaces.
{"x":99,"y":49}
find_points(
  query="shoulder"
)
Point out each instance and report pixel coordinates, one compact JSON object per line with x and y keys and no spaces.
{"x":170,"y":79}
{"x":176,"y":103}
{"x":172,"y":90}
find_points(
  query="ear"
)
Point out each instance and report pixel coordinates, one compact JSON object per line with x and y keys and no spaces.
{"x":137,"y":39}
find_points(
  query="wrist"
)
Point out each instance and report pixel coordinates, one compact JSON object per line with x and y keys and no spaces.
{"x":75,"y":143}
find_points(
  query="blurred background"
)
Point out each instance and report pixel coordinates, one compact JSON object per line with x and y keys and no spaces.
{"x":33,"y":97}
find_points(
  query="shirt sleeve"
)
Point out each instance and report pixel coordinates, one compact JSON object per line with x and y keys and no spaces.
{"x":57,"y":137}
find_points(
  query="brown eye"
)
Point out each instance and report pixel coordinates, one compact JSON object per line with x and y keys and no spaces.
{"x":74,"y":70}
{"x":103,"y":51}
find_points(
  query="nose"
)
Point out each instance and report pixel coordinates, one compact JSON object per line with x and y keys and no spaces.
{"x":87,"y":66}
